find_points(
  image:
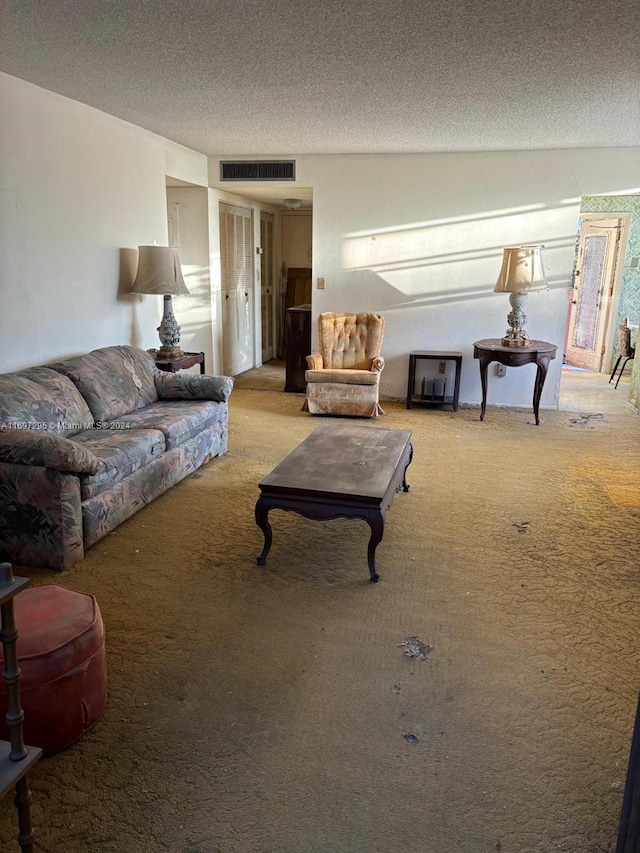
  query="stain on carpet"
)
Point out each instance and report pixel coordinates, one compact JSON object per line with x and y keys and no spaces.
{"x":414,"y":648}
{"x":585,"y":420}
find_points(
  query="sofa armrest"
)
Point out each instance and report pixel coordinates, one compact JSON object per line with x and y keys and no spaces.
{"x":192,"y":386}
{"x":377,"y":364}
{"x":314,"y":361}
{"x":48,"y":451}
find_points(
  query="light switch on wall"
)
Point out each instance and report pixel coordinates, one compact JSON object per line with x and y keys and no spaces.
{"x":321,"y":283}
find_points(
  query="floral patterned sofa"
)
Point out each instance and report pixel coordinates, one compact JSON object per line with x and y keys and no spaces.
{"x":88,"y":441}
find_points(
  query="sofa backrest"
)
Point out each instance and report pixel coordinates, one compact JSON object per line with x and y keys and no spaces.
{"x":42,"y":400}
{"x":114,"y":380}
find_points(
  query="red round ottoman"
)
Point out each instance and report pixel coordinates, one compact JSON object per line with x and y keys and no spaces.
{"x":61,"y":655}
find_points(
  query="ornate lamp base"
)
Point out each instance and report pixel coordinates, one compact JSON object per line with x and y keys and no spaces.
{"x":515,"y":335}
{"x":168,"y":354}
{"x":169,"y":332}
{"x":515,"y":338}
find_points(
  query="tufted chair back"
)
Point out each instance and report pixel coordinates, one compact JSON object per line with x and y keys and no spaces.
{"x":350,"y":341}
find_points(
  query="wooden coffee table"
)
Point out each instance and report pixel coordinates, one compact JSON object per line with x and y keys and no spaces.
{"x":340,"y":471}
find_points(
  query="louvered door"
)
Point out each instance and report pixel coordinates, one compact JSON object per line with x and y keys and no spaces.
{"x":236,"y":263}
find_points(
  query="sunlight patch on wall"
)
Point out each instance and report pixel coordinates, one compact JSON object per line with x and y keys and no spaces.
{"x":193,"y":310}
{"x":460,"y":253}
{"x":451,"y":220}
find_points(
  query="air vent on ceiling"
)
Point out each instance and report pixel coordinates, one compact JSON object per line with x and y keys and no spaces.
{"x":258,"y":170}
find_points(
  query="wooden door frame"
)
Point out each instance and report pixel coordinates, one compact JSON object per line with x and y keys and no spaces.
{"x":614,"y":303}
{"x":274,"y":284}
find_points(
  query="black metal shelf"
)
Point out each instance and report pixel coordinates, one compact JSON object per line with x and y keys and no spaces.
{"x":12,"y":771}
{"x":434,"y":399}
{"x":16,"y":759}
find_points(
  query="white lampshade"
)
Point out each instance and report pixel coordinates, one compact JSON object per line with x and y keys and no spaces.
{"x":159,"y":272}
{"x":521,"y":271}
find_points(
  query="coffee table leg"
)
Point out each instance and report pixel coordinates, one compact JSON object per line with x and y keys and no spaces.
{"x":262,"y":520}
{"x":376,"y":523}
{"x":405,"y":485}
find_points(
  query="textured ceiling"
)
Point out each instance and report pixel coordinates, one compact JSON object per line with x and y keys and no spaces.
{"x":250,"y":77}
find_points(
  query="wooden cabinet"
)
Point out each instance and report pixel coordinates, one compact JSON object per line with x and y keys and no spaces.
{"x":298,"y":338}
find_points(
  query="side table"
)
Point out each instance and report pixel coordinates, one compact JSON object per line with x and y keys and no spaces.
{"x":16,"y":759}
{"x":539,"y":353}
{"x":440,"y":399}
{"x":182,"y":363}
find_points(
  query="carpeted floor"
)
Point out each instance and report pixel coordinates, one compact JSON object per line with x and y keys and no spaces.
{"x":273,"y":710}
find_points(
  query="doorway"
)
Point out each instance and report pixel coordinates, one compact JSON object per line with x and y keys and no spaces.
{"x":296,"y":253}
{"x":595,"y":293}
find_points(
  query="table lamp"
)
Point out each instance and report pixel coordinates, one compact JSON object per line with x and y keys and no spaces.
{"x":159,"y":272}
{"x":521,"y":273}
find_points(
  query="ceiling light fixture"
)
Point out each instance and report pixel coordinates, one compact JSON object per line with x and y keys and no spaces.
{"x":292,"y":203}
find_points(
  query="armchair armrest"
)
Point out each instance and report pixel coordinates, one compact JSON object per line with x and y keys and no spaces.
{"x":192,"y":386}
{"x":377,"y":364}
{"x":314,"y":361}
{"x":47,"y":451}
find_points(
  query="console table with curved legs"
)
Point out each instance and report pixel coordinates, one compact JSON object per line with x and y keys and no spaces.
{"x":539,"y":353}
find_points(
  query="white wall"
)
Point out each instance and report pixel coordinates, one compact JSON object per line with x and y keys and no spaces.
{"x":79,"y":192}
{"x":419,"y":238}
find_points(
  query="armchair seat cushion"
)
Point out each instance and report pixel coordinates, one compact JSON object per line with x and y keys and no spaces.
{"x":343,"y":377}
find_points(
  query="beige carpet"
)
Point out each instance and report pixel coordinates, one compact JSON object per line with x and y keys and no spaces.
{"x":273,"y":710}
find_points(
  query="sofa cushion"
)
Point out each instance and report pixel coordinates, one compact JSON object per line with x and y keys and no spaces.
{"x":178,"y":420}
{"x":113,"y":380}
{"x":42,"y":400}
{"x":121,"y":452}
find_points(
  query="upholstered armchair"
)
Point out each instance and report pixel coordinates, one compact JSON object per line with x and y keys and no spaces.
{"x":344,"y":377}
